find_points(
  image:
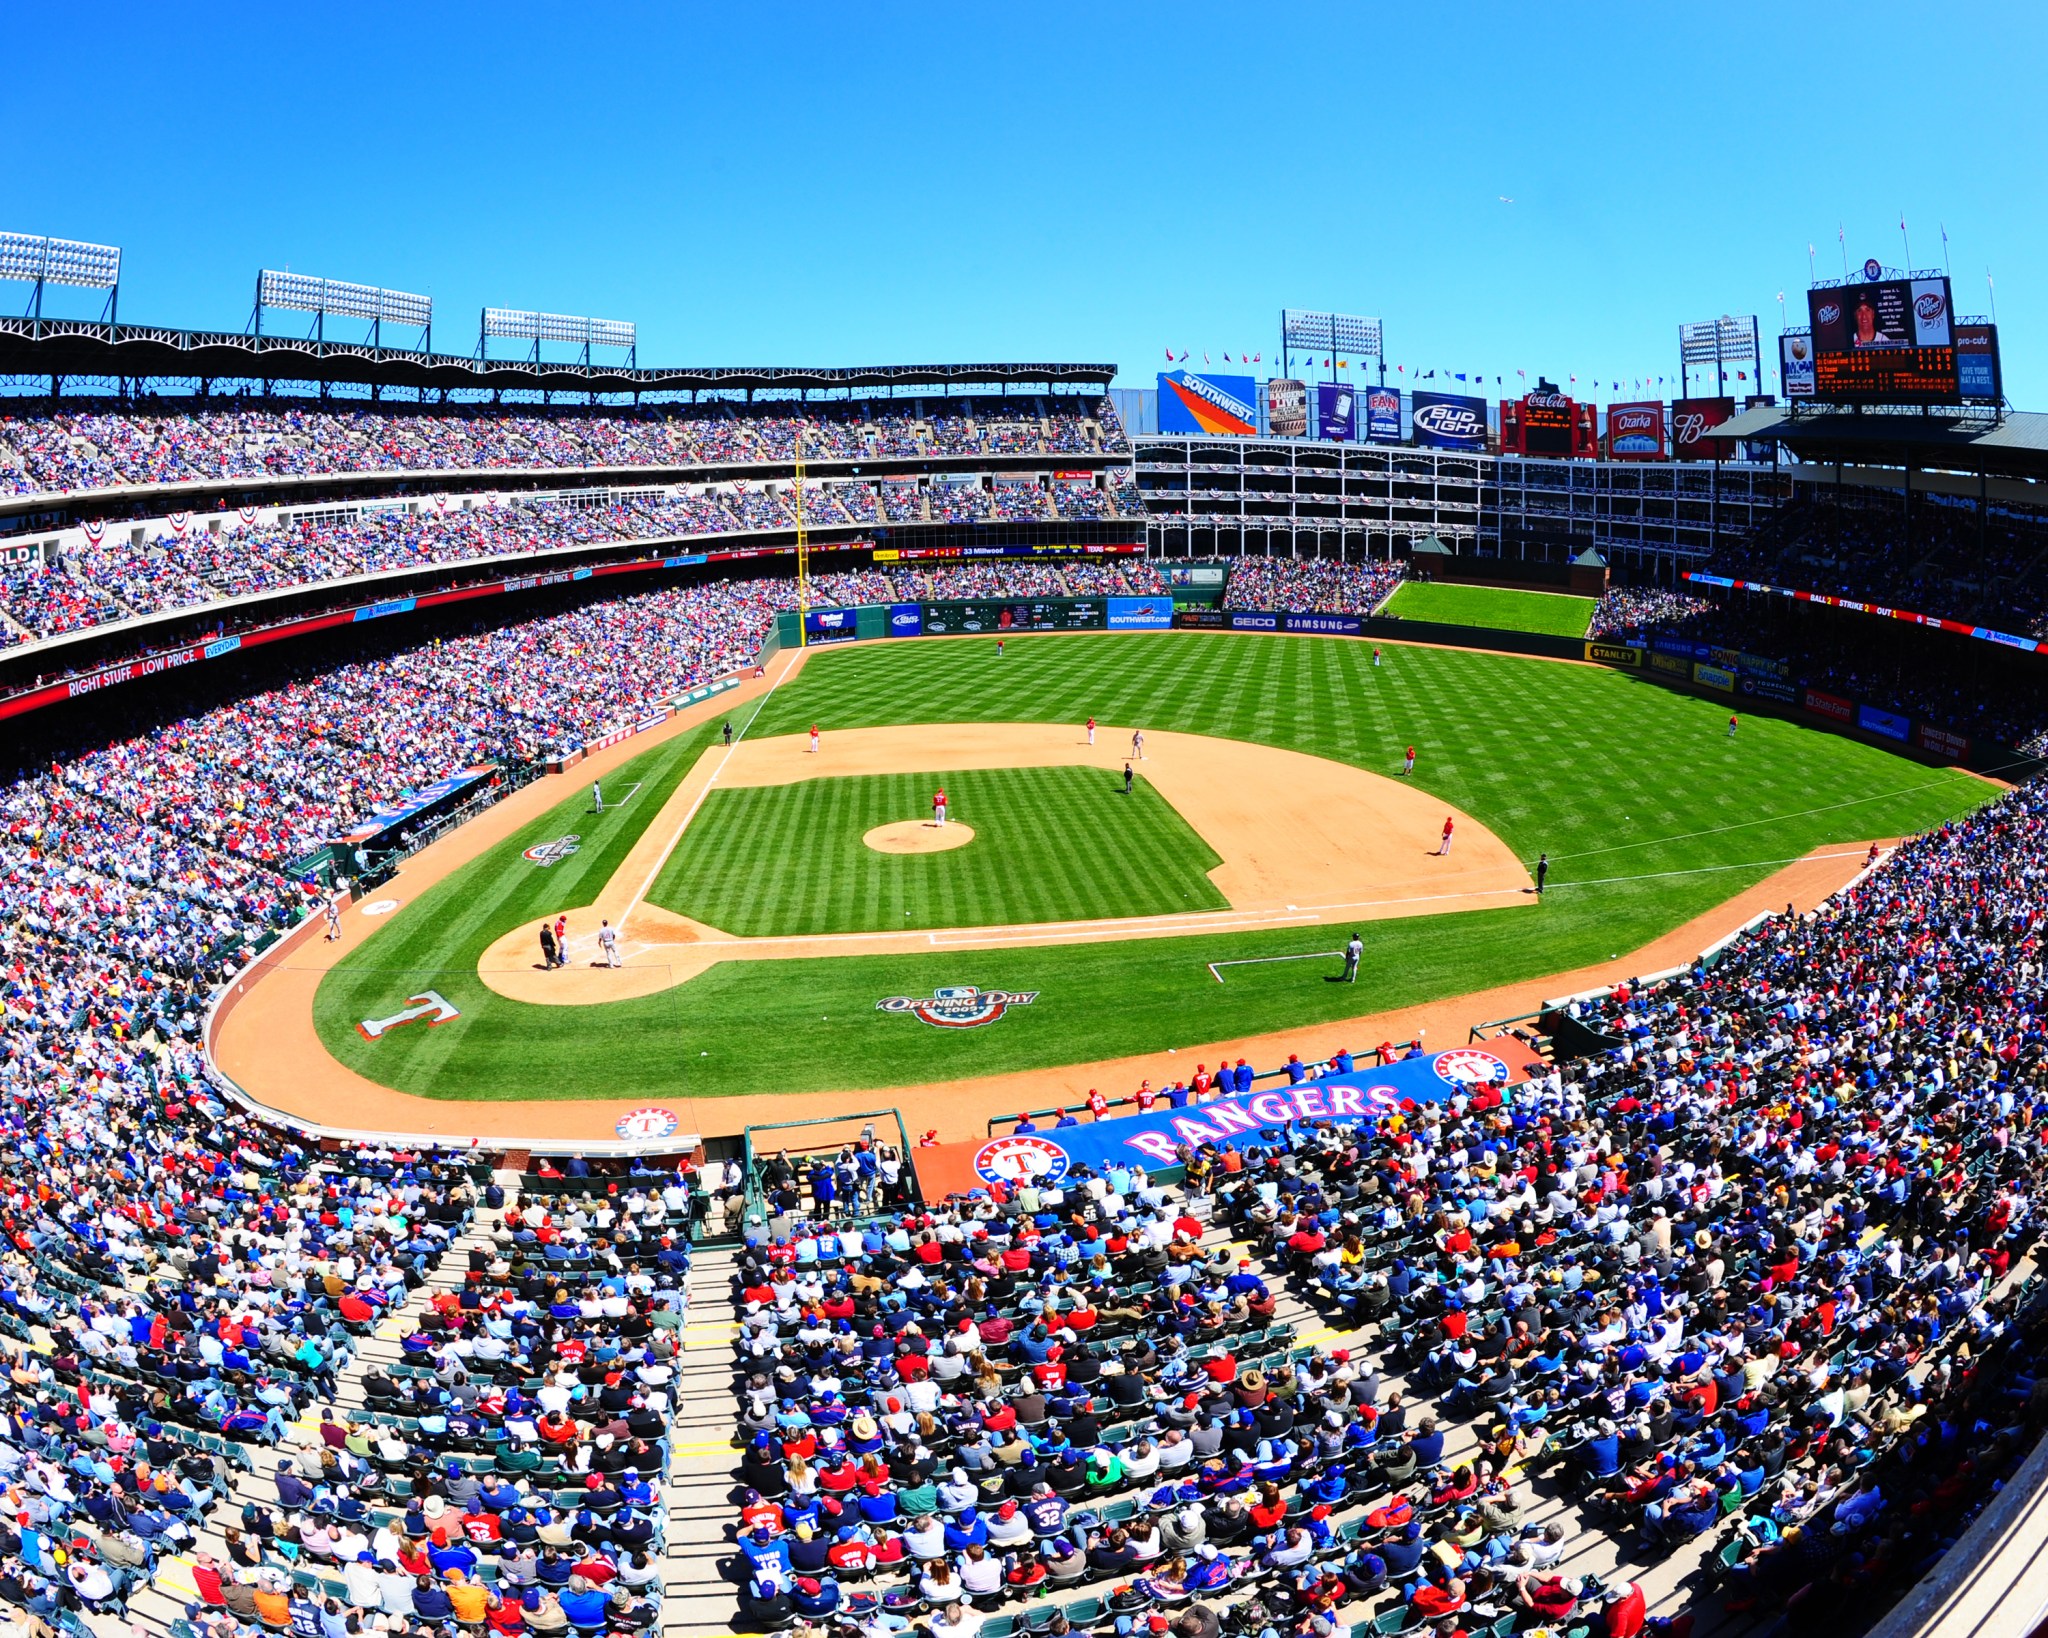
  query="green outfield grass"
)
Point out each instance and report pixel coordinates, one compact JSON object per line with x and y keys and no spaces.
{"x":1650,"y":813}
{"x":1050,"y":844}
{"x":1550,"y":613}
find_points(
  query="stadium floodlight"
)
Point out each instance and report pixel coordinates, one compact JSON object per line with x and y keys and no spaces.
{"x":31,"y":259}
{"x":1333,"y":333}
{"x":332,"y":298}
{"x":1725,"y":340}
{"x":509,"y":324}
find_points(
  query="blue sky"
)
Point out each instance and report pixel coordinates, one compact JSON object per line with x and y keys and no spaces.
{"x":831,"y":184}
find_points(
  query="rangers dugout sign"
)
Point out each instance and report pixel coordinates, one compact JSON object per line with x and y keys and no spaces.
{"x":1364,"y":1094}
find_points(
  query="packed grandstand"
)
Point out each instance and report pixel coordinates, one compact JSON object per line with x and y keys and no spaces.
{"x":1734,"y":1298}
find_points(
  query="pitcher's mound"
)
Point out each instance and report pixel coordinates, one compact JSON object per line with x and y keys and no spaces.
{"x":918,"y":836}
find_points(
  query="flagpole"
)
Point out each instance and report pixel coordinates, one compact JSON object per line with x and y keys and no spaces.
{"x":1907,"y":243}
{"x":1993,"y":289}
{"x":1945,"y":270}
{"x":1842,"y":239}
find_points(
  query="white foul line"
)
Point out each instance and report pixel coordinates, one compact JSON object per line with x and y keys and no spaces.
{"x":633,"y":903}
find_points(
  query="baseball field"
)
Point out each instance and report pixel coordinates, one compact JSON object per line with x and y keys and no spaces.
{"x":762,"y":930}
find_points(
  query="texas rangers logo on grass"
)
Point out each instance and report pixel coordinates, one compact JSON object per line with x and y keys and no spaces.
{"x":428,"y":1004}
{"x":651,"y":1122}
{"x":959,"y":1006}
{"x":1468,"y":1066}
{"x":551,"y":853}
{"x":1020,"y":1158}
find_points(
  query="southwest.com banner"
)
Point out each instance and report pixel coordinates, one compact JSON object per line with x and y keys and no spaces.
{"x":1217,"y":404}
{"x":1141,"y":613}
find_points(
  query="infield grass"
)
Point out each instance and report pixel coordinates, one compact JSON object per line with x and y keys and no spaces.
{"x":1050,"y":844}
{"x":1553,"y":614}
{"x":1650,"y":813}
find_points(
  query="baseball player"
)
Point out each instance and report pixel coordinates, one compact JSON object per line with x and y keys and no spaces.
{"x":1375,"y":656}
{"x":561,"y":941}
{"x":814,"y":739}
{"x":1443,"y":847}
{"x":597,"y":794}
{"x":1542,"y":870}
{"x":1731,"y":725}
{"x":1138,"y":743}
{"x":1408,"y":764}
{"x":608,"y":941}
{"x":728,"y":731}
{"x":333,"y":920}
{"x":939,"y":807}
{"x":1091,"y":730}
{"x":999,"y":648}
{"x":1354,"y":951}
{"x":1127,"y":779}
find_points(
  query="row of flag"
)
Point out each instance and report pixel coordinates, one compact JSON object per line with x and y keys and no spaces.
{"x":1476,"y":378}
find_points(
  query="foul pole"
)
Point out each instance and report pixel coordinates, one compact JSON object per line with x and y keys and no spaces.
{"x":803,"y":550}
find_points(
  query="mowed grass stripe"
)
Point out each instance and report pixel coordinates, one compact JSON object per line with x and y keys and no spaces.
{"x":1554,"y":614}
{"x":1050,"y":844}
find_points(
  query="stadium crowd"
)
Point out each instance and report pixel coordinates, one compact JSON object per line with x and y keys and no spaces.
{"x":1310,"y":585}
{"x":1630,"y":611}
{"x":1740,"y":1289}
{"x":128,"y":571}
{"x":167,"y":441}
{"x":1951,"y":563}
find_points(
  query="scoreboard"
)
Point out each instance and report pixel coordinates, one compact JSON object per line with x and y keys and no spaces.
{"x":1884,"y":341}
{"x":1066,"y":614}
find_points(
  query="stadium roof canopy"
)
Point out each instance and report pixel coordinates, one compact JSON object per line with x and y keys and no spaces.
{"x":75,"y":348}
{"x":2016,"y":445}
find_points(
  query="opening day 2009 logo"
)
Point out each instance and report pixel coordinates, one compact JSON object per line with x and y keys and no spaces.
{"x":545,"y":854}
{"x":958,"y":1006}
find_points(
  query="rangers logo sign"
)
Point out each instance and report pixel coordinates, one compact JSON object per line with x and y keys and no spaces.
{"x":651,"y":1122}
{"x":1468,"y":1066}
{"x":545,"y":854}
{"x":959,"y":1006}
{"x":1020,"y":1158}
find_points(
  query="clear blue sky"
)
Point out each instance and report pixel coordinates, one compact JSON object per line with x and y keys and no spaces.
{"x":886,"y":183}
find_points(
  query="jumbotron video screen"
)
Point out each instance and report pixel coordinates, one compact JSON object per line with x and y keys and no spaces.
{"x":1884,"y":341}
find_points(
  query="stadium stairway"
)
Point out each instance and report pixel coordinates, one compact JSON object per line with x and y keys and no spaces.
{"x":152,"y":1608}
{"x":696,"y":1599}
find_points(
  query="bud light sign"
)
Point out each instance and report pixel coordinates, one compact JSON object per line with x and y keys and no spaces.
{"x":1445,"y":420}
{"x":906,"y":619}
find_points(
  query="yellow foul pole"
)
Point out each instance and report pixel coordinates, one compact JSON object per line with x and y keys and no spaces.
{"x":803,"y":550}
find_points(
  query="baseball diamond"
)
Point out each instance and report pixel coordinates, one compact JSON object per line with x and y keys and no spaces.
{"x":1649,"y":822}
